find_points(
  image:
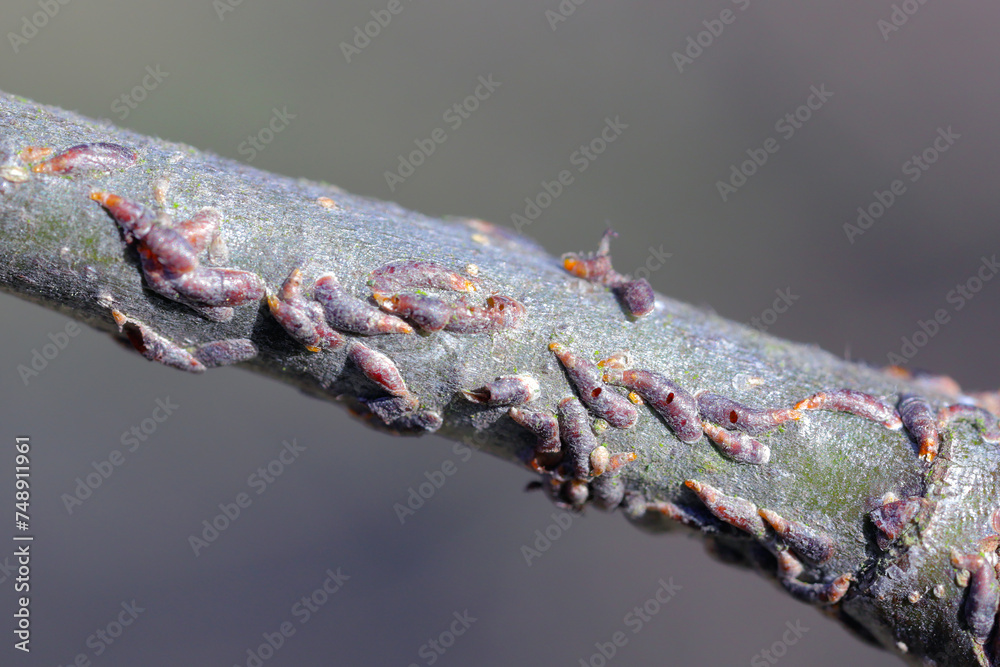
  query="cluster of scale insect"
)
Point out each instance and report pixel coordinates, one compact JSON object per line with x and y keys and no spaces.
{"x":575,"y":466}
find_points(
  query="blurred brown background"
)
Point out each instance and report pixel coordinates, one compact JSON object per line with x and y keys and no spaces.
{"x":222,"y":70}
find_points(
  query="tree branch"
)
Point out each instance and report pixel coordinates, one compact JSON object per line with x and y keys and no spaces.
{"x":828,"y":486}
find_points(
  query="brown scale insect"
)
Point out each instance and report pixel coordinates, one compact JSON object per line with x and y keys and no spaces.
{"x":984,"y":420}
{"x":789,"y":570}
{"x":169,"y":259}
{"x":303,"y":319}
{"x":595,"y":266}
{"x":392,"y":408}
{"x":736,"y":446}
{"x":434,"y":314}
{"x":100,"y":156}
{"x":544,"y":426}
{"x":737,"y":512}
{"x":501,"y":312}
{"x":812,"y":545}
{"x":155,"y":347}
{"x":415,"y":274}
{"x":427,"y":312}
{"x":892,"y":517}
{"x":920,"y":422}
{"x":225,"y":352}
{"x":577,"y":436}
{"x":636,"y":295}
{"x":733,"y":415}
{"x":678,"y":408}
{"x":346,"y":313}
{"x":599,"y":399}
{"x":378,"y":368}
{"x":855,"y":402}
{"x":507,"y":390}
{"x":983,"y":594}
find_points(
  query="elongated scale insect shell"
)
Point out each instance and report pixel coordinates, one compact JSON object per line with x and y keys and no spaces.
{"x":855,"y":402}
{"x":789,"y":569}
{"x":100,"y":156}
{"x":303,"y":320}
{"x":378,"y":368}
{"x":737,"y":512}
{"x":733,"y":415}
{"x":982,"y":596}
{"x":544,"y":426}
{"x":637,"y":296}
{"x":392,"y":408}
{"x":739,"y":447}
{"x":812,"y":545}
{"x":920,"y":422}
{"x":678,"y":408}
{"x":155,"y":347}
{"x":619,"y":461}
{"x":427,"y":312}
{"x":225,"y":352}
{"x":135,"y":219}
{"x":507,"y":390}
{"x":891,"y":518}
{"x":577,"y":437}
{"x":599,"y":399}
{"x":346,"y":313}
{"x":417,"y":273}
{"x":171,"y":267}
{"x":595,"y":267}
{"x":501,"y":312}
{"x":984,"y":420}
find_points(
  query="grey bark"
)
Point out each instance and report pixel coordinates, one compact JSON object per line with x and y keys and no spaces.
{"x":60,"y":249}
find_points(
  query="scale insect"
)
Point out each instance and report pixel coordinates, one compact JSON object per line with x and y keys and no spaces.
{"x":169,"y":260}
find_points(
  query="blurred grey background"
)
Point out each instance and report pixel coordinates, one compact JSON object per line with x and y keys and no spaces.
{"x":223,"y":68}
